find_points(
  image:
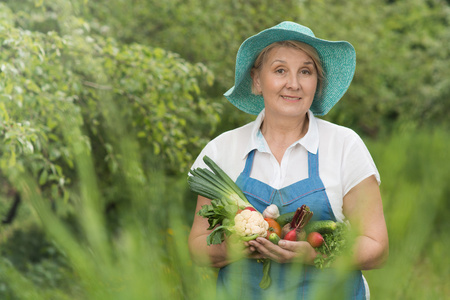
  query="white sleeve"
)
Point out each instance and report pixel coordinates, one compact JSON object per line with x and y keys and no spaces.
{"x":357,"y":164}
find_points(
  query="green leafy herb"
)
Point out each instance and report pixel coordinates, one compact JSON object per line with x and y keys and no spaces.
{"x":335,"y":244}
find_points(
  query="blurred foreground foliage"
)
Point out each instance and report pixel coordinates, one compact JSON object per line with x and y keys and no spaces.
{"x":105,"y":104}
{"x":416,"y":194}
{"x":145,"y":255}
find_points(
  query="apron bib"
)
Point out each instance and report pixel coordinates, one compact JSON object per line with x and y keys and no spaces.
{"x":240,"y":280}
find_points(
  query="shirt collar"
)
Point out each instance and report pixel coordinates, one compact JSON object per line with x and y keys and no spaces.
{"x":310,"y":141}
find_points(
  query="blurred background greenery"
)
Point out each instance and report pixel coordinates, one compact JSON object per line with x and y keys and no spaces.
{"x":104,"y":105}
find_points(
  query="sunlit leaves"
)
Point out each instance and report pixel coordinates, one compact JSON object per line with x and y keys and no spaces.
{"x":46,"y":77}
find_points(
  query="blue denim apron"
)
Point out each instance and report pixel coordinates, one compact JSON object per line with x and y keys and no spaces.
{"x":240,"y":280}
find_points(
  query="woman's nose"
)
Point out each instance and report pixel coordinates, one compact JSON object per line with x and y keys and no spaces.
{"x":293,"y":82}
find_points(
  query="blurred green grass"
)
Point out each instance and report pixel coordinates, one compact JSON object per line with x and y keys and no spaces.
{"x":146,"y":256}
{"x":415,"y":174}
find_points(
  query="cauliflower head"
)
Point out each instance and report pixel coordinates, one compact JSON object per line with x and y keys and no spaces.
{"x":247,"y":223}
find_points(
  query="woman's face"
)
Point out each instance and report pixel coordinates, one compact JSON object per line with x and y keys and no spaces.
{"x":287,"y":80}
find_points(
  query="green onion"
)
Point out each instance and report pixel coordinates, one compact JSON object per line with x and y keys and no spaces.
{"x":218,"y":171}
{"x":216,"y":185}
{"x":226,"y":199}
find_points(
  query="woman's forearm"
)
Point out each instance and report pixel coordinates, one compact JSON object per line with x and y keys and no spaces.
{"x":369,"y":253}
{"x":364,"y":209}
{"x":204,"y":255}
{"x":201,"y":253}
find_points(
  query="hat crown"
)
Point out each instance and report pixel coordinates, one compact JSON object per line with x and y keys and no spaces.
{"x":288,"y":25}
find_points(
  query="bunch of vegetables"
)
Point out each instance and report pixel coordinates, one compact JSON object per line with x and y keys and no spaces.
{"x":329,"y":238}
{"x":229,"y":211}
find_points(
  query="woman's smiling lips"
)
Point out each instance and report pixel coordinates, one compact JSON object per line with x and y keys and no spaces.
{"x":290,"y":98}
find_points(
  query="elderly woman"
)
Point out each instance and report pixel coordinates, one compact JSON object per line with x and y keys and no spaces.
{"x":288,"y":157}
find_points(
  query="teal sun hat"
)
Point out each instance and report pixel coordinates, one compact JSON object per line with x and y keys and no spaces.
{"x":338,"y":59}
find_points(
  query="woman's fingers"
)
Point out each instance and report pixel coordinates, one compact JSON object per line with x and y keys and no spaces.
{"x":249,"y":247}
{"x":290,"y":245}
{"x":271,"y":251}
{"x":285,"y":251}
{"x":256,"y":255}
{"x":304,"y":251}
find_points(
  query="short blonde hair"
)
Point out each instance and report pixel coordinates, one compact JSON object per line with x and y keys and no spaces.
{"x":309,"y":50}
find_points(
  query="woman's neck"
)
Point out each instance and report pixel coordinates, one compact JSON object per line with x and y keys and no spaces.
{"x":281,"y":133}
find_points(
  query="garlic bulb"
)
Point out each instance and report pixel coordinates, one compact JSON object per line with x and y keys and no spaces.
{"x":271,"y":211}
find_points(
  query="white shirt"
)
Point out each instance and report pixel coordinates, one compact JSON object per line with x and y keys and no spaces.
{"x":344,"y":160}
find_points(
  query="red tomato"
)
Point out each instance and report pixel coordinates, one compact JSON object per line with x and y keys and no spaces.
{"x":273,"y":227}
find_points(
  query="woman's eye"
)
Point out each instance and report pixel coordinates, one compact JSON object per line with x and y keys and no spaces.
{"x":305,"y":72}
{"x":280,"y":71}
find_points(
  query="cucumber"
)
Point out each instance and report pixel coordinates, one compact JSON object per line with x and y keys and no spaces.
{"x":285,"y":218}
{"x":274,"y":238}
{"x":323,"y":226}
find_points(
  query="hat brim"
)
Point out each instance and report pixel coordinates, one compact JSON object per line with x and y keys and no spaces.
{"x":338,"y":60}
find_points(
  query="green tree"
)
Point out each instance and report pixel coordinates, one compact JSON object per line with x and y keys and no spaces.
{"x":206,"y":31}
{"x":402,"y":66}
{"x":49,"y":77}
{"x":67,"y":92}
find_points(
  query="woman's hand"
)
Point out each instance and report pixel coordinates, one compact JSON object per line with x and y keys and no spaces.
{"x":219,"y":255}
{"x":238,"y":249}
{"x":284,"y":252}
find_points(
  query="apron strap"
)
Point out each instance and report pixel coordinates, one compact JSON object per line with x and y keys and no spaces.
{"x":249,"y":163}
{"x":313,"y":164}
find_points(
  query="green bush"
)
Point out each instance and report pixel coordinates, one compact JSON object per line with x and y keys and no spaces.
{"x":401,"y":80}
{"x":47,"y":78}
